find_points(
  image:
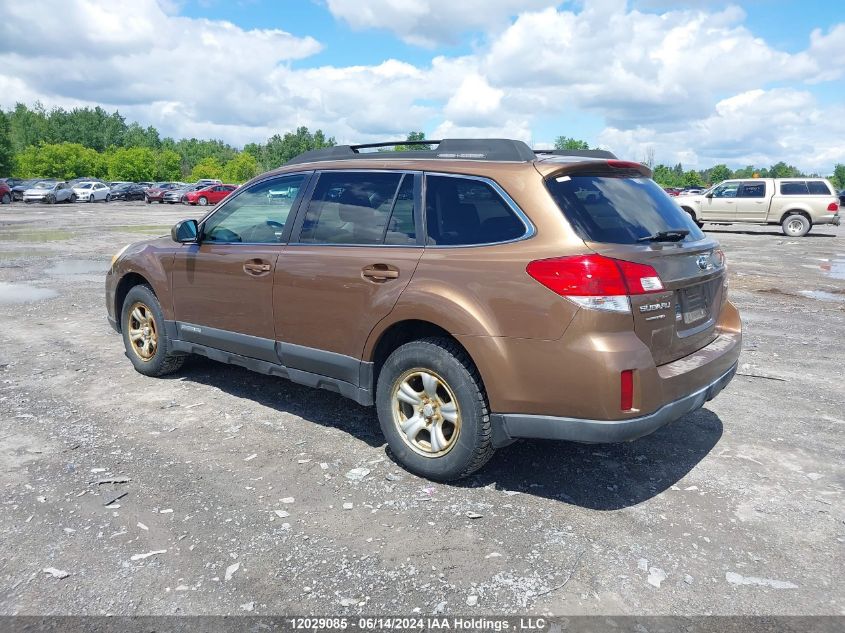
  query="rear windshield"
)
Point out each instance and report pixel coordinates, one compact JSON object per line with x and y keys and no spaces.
{"x":618,"y":210}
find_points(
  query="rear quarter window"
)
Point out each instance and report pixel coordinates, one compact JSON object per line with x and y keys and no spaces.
{"x":618,"y":210}
{"x":818,"y":188}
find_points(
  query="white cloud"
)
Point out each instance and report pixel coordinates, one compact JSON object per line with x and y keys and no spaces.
{"x":696,"y":84}
{"x":431,"y":22}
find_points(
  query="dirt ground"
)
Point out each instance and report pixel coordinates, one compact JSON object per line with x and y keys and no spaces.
{"x":237,"y":498}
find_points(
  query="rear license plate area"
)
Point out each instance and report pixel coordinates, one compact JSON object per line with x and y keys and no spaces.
{"x":693,"y":304}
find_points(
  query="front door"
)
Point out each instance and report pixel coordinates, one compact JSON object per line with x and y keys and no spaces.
{"x":353,"y":252}
{"x":720,"y":204}
{"x":223,"y":285}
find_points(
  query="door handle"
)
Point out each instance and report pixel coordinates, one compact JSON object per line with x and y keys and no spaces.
{"x":256,"y":268}
{"x":380,"y":272}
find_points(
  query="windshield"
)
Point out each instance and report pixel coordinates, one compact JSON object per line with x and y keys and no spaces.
{"x":618,"y":210}
{"x":44,"y":185}
{"x":86,"y":185}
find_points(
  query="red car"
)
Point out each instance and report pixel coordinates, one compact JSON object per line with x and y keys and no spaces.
{"x":209,"y":195}
{"x":5,"y":193}
{"x":157,"y":191}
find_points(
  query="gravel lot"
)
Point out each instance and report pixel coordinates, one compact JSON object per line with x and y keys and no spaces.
{"x":239,"y":498}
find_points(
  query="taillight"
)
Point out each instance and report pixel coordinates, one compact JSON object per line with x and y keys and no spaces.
{"x":595,"y":281}
{"x":627,"y":390}
{"x":833,"y":206}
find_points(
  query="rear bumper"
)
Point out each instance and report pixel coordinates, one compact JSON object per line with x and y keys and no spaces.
{"x":510,"y":426}
{"x":834,"y":219}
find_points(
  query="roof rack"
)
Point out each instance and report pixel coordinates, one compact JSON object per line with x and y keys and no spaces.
{"x":493,"y":149}
{"x":584,"y":153}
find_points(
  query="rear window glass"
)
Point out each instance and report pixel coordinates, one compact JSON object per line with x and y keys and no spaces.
{"x":618,"y":210}
{"x":464,"y":211}
{"x":818,"y":188}
{"x":794,"y":189}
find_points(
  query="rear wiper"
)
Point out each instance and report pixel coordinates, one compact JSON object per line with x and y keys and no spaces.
{"x":672,"y":235}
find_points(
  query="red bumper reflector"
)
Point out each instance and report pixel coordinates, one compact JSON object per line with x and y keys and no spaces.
{"x":627,"y":389}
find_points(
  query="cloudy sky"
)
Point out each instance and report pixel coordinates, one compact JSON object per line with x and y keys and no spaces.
{"x":699,"y":81}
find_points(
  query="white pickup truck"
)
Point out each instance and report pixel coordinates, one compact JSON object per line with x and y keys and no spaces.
{"x":797,"y":204}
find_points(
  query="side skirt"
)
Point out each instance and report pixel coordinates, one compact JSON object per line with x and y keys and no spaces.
{"x":270,"y":363}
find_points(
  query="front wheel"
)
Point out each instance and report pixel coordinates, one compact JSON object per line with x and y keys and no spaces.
{"x":108,"y":197}
{"x":795,"y":225}
{"x":203,"y":201}
{"x":433,"y":410}
{"x":72,"y":198}
{"x":144,"y":334}
{"x":147,"y":200}
{"x":51,"y":199}
{"x":691,"y":214}
{"x":7,"y":199}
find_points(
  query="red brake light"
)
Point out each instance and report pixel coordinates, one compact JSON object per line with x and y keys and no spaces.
{"x":594,"y":276}
{"x":627,"y":390}
{"x":833,"y":206}
{"x":624,"y":164}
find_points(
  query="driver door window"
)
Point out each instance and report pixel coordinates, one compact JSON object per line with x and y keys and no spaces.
{"x":257,"y":215}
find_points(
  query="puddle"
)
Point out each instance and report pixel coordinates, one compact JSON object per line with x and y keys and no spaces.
{"x":78,"y":267}
{"x":11,"y":294}
{"x":47,"y":235}
{"x":142,"y":228}
{"x":835,"y":269}
{"x":822,"y":295}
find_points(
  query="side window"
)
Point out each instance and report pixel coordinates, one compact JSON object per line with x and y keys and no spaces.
{"x":257,"y":215}
{"x":464,"y":211}
{"x":752,"y":190}
{"x":794,"y":188}
{"x":350,"y":208}
{"x":728,"y":190}
{"x":818,"y":188}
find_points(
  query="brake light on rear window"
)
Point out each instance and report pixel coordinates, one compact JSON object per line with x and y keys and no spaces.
{"x":833,"y":207}
{"x":596,"y":282}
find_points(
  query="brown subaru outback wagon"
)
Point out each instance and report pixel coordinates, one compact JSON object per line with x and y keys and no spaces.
{"x":475,"y":293}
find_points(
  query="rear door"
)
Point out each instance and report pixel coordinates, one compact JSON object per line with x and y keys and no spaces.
{"x":752,"y":201}
{"x":223,"y":285}
{"x":354,"y":248}
{"x":615,"y":215}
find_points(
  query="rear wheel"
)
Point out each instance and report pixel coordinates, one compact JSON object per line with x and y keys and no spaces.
{"x":144,"y":334}
{"x":795,"y":225}
{"x":7,"y":199}
{"x":433,"y":411}
{"x":72,"y":198}
{"x":51,"y":199}
{"x":692,"y":216}
{"x":108,"y":197}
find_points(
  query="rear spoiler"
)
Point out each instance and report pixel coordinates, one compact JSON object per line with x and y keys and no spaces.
{"x":610,"y":167}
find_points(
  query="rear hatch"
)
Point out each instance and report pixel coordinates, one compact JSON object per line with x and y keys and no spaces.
{"x":619,"y":212}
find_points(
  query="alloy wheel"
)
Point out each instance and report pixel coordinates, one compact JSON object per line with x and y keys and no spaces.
{"x":143,"y":331}
{"x":426,"y":412}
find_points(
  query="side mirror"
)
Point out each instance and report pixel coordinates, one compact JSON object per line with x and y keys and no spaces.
{"x":184,"y":231}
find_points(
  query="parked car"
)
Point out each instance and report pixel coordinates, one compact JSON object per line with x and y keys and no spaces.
{"x":797,"y":204}
{"x":179,"y":195}
{"x":12,"y":182}
{"x":81,"y":179}
{"x":18,"y":189}
{"x":672,"y":191}
{"x":129,"y":191}
{"x":209,"y":181}
{"x":5,"y":193}
{"x":115,"y":183}
{"x":92,"y":191}
{"x":157,"y":191}
{"x":146,"y":185}
{"x":209,"y":195}
{"x":50,"y":192}
{"x":842,"y":198}
{"x":472,"y":301}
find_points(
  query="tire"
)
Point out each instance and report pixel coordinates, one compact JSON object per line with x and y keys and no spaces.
{"x":692,"y":216}
{"x":91,"y":198}
{"x":161,"y":201}
{"x":72,"y":198}
{"x":108,"y":198}
{"x":147,"y":358}
{"x":795,"y":225}
{"x":202,"y":201}
{"x":147,"y":200}
{"x":50,"y":199}
{"x":7,"y":199}
{"x":468,"y":441}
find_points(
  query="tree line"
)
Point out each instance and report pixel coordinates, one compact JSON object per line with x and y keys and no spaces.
{"x":59,"y":143}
